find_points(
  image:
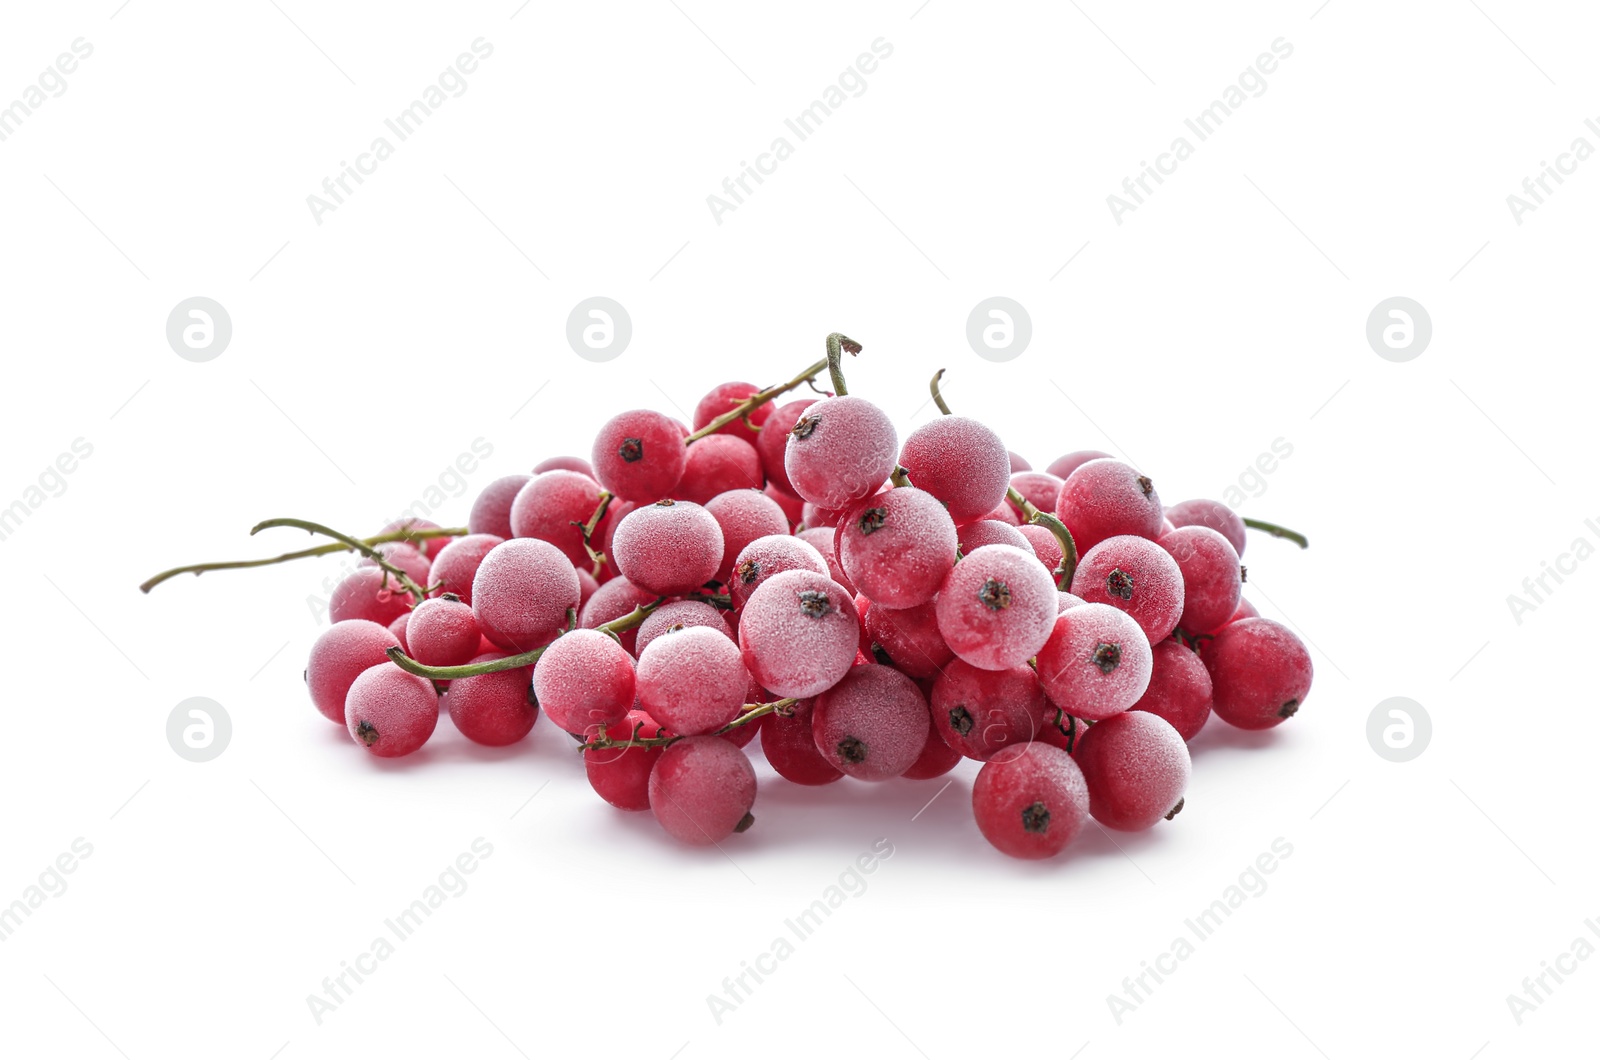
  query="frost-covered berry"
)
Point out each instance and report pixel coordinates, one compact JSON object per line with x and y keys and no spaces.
{"x":997,"y":607}
{"x":554,"y":507}
{"x":1136,"y":575}
{"x":791,"y":749}
{"x":840,"y":450}
{"x":800,"y":632}
{"x":1136,"y":767}
{"x":1180,"y":689}
{"x":457,"y":564}
{"x":369,"y":593}
{"x":744,"y":515}
{"x":1212,"y":579}
{"x":873,"y":724}
{"x":584,"y":681}
{"x":1218,"y":516}
{"x":390,"y":712}
{"x":1030,"y":800}
{"x":343,"y":651}
{"x":1096,"y":662}
{"x":639,"y":455}
{"x":669,"y":547}
{"x":716,"y":464}
{"x":676,"y":616}
{"x":621,"y":775}
{"x":910,"y":637}
{"x":1104,"y":498}
{"x":897,"y":546}
{"x":491,"y":511}
{"x":977,"y":712}
{"x":961,"y":462}
{"x":693,"y":681}
{"x":442,"y":632}
{"x":1260,"y":673}
{"x":702,"y":789}
{"x":494,"y":709}
{"x":522,"y":592}
{"x":766,"y":556}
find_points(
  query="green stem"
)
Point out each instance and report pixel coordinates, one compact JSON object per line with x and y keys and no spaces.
{"x":752,"y":712}
{"x":1069,"y":549}
{"x":597,"y":558}
{"x":938,"y":398}
{"x":512,"y":662}
{"x":838,"y":345}
{"x":418,"y":593}
{"x":198,"y":569}
{"x":899,"y":477}
{"x":1278,"y":531}
{"x":756,"y":400}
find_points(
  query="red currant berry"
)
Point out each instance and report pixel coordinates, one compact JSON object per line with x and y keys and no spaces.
{"x":522,"y":593}
{"x":442,"y":632}
{"x":491,"y":511}
{"x":791,"y":750}
{"x":723,"y":399}
{"x":1063,"y":466}
{"x":961,"y":462}
{"x":692,"y":681}
{"x":339,"y":656}
{"x":639,"y":455}
{"x":1211,"y":577}
{"x":910,"y":637}
{"x":584,"y":681}
{"x":1260,"y":673}
{"x":1104,"y":498}
{"x":1133,"y":574}
{"x":897,"y":546}
{"x":368,"y":593}
{"x":873,"y":724}
{"x":766,"y":556}
{"x":670,"y":547}
{"x":840,"y":450}
{"x":1096,"y":662}
{"x":494,"y":709}
{"x":716,"y":464}
{"x":701,"y":790}
{"x":1136,"y":767}
{"x":1180,"y":689}
{"x":553,"y":507}
{"x":997,"y":607}
{"x":800,"y":633}
{"x":744,"y":515}
{"x":390,"y":712}
{"x":1218,"y":516}
{"x":977,"y":712}
{"x":621,"y":775}
{"x":1030,"y":800}
{"x":457,"y":564}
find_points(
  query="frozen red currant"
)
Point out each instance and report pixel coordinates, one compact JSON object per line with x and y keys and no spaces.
{"x":960,"y":462}
{"x":339,"y":656}
{"x":702,"y":789}
{"x":800,"y":633}
{"x":669,"y":547}
{"x":491,"y":511}
{"x":766,"y":556}
{"x":744,"y":515}
{"x":621,"y":775}
{"x":1096,"y":662}
{"x":873,"y":724}
{"x":584,"y":681}
{"x":639,"y":455}
{"x":840,"y":450}
{"x":442,"y":632}
{"x":522,"y":592}
{"x":692,"y":681}
{"x":494,"y":709}
{"x":997,"y":607}
{"x":1136,"y":767}
{"x":1260,"y":673}
{"x":1030,"y":800}
{"x":725,"y":398}
{"x":910,"y":637}
{"x":1136,"y":575}
{"x":897,"y":546}
{"x":554,"y":507}
{"x":1104,"y":498}
{"x":1211,"y":577}
{"x":390,"y":712}
{"x":457,"y":564}
{"x":1180,"y":689}
{"x":977,"y":712}
{"x":1218,"y":516}
{"x":791,"y":749}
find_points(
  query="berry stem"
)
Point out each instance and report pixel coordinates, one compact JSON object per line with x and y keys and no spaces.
{"x":597,"y":558}
{"x":938,"y":398}
{"x":512,"y":662}
{"x":756,"y":400}
{"x":198,"y":569}
{"x":1069,"y":550}
{"x":418,"y":593}
{"x":838,"y":345}
{"x":1278,"y":531}
{"x":752,"y":712}
{"x":899,"y":477}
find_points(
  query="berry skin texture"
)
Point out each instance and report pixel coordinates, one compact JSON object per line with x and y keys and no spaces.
{"x":1096,"y":662}
{"x":457,"y":564}
{"x":722,"y":399}
{"x":791,"y":750}
{"x":677,"y":616}
{"x":1137,"y":769}
{"x":341,"y":654}
{"x":693,"y":681}
{"x":982,"y":532}
{"x":398,"y":628}
{"x":1135,"y":575}
{"x":522,"y":593}
{"x":610,"y":602}
{"x":442,"y":632}
{"x":744,"y":515}
{"x":1030,"y":800}
{"x":977,"y":712}
{"x":1211,"y":577}
{"x":897,"y":546}
{"x":621,"y":775}
{"x":910,"y":637}
{"x":1018,"y":462}
{"x":670,"y":548}
{"x":1246,"y":610}
{"x":839,"y":451}
{"x":564,"y":463}
{"x":1044,"y":545}
{"x":368,"y":593}
{"x":766,"y":556}
{"x":1104,"y":498}
{"x":773,"y":439}
{"x":548,"y":506}
{"x":1218,"y":516}
{"x":800,"y":633}
{"x":639,"y":455}
{"x":390,"y":712}
{"x":1062,"y":466}
{"x":585,"y":681}
{"x":873,"y":724}
{"x":1260,"y":673}
{"x":961,"y":462}
{"x":1180,"y":689}
{"x":937,"y":758}
{"x":716,"y":464}
{"x":825,"y":539}
{"x":495,"y":709}
{"x":1039,"y":488}
{"x":491,"y":511}
{"x":701,"y":790}
{"x":996,"y":607}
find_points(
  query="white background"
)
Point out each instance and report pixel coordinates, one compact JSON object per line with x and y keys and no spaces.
{"x":429,"y":310}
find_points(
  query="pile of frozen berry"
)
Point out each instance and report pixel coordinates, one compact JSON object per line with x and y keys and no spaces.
{"x":866,"y":607}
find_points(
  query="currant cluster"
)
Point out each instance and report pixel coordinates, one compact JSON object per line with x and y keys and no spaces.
{"x":866,"y":607}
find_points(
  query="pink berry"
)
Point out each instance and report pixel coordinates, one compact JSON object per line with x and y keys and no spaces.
{"x":792,"y":751}
{"x":910,"y":637}
{"x":1039,"y":488}
{"x":1245,"y":610}
{"x":1066,"y":600}
{"x":1043,"y":544}
{"x":997,"y":607}
{"x":639,"y":455}
{"x":975,"y":535}
{"x":621,"y":775}
{"x":771,"y":442}
{"x":676,"y":616}
{"x":457,"y":564}
{"x":815,"y":518}
{"x":693,"y":681}
{"x":1218,"y":516}
{"x":1018,"y":462}
{"x":766,"y":556}
{"x":716,"y":464}
{"x":1062,"y":466}
{"x":825,"y":539}
{"x":428,"y":546}
{"x":702,"y":789}
{"x":1135,"y":575}
{"x":407,"y":557}
{"x":840,"y":450}
{"x":553,"y":507}
{"x":725,"y":398}
{"x":1180,"y":689}
{"x":1211,"y":577}
{"x":1030,"y":800}
{"x":390,"y":712}
{"x":368,"y":593}
{"x":584,"y":681}
{"x":1005,"y":513}
{"x":937,"y":758}
{"x":743,"y":734}
{"x":442,"y":632}
{"x":398,"y":628}
{"x":522,"y":593}
{"x":613,"y":600}
{"x":1260,"y":673}
{"x":494,"y":709}
{"x":1096,"y":662}
{"x":793,"y":507}
{"x":491,"y":511}
{"x":897,"y":546}
{"x":960,"y":462}
{"x":1136,"y":767}
{"x":339,"y":656}
{"x":744,"y":515}
{"x":873,"y":724}
{"x":977,"y":712}
{"x":800,"y":633}
{"x":587,"y":587}
{"x":1104,"y":498}
{"x":564,"y":463}
{"x":669,"y":547}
